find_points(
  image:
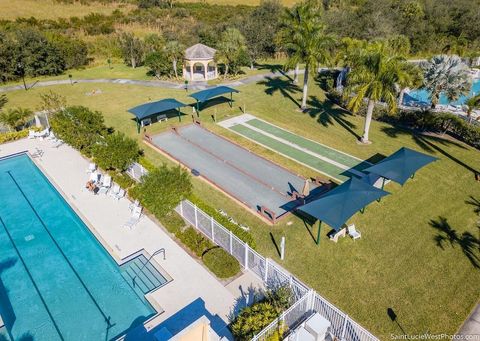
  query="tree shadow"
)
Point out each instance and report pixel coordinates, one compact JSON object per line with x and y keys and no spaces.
{"x":431,"y":144}
{"x":284,"y":86}
{"x":475,"y":203}
{"x":271,"y":67}
{"x":469,"y":244}
{"x":328,"y":113}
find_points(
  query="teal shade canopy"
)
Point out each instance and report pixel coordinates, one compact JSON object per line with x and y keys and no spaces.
{"x":401,"y":165}
{"x":152,"y":108}
{"x":337,"y":206}
{"x":205,"y":95}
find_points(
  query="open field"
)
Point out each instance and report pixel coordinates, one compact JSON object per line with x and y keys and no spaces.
{"x":240,"y":2}
{"x":50,"y":9}
{"x":397,"y":263}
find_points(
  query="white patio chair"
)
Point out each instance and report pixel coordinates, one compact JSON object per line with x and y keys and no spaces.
{"x":105,"y":185}
{"x":134,"y":205}
{"x":91,"y":167}
{"x":31,"y":134}
{"x":352,"y":232}
{"x":117,"y":192}
{"x":340,"y":233}
{"x":133,"y":220}
{"x":94,"y":176}
{"x":38,"y":153}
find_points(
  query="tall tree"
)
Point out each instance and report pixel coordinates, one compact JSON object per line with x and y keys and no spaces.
{"x":132,"y":49}
{"x":472,"y":104}
{"x":374,"y":77}
{"x":309,"y":43}
{"x":174,"y":51}
{"x":260,"y":28}
{"x":448,"y":75}
{"x":16,"y":118}
{"x":231,"y":50}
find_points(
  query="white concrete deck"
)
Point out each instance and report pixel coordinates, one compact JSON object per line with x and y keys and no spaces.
{"x":105,"y":216}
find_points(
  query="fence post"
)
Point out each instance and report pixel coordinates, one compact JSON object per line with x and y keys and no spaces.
{"x":344,"y":327}
{"x":211,"y":226}
{"x":246,"y":255}
{"x":312,"y":299}
{"x":196,"y":218}
{"x":265,"y":277}
{"x":181,"y":209}
{"x":231,"y":243}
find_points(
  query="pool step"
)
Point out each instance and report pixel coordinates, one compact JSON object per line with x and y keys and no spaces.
{"x":142,"y":276}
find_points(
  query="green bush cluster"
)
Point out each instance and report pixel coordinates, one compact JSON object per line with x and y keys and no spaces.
{"x":237,"y":230}
{"x":12,"y":136}
{"x":116,"y":151}
{"x":269,"y":305}
{"x":222,"y":264}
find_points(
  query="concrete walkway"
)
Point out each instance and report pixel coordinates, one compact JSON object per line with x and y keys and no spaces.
{"x":471,"y":326}
{"x":192,"y":290}
{"x":155,"y":84}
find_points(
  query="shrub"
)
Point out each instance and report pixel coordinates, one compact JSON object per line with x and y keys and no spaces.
{"x":162,"y":189}
{"x":256,"y":317}
{"x":158,"y":64}
{"x":221,"y":263}
{"x":79,"y":127}
{"x":116,"y":151}
{"x":13,"y":136}
{"x":122,"y":179}
{"x":172,"y":222}
{"x":195,"y":241}
{"x":237,"y":230}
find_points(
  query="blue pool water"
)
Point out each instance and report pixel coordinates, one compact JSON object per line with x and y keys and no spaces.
{"x":422,"y":95}
{"x":56,"y":281}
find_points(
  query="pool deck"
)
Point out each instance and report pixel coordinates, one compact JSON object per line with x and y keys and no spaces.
{"x":191,"y":281}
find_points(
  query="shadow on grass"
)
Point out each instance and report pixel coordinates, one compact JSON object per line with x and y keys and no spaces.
{"x":212,"y":102}
{"x":308,"y":222}
{"x":270,"y":67}
{"x":475,"y":203}
{"x":469,"y":244}
{"x":328,"y":113}
{"x":284,"y":86}
{"x":275,"y":244}
{"x":431,"y":144}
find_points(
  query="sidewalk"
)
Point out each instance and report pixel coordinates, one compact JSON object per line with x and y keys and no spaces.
{"x":471,"y":326}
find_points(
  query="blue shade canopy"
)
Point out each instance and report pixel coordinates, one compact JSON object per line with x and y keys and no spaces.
{"x":206,"y":94}
{"x":152,"y":108}
{"x":339,"y":204}
{"x":401,"y":165}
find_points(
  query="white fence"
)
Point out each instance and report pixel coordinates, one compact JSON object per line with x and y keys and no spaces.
{"x":307,"y":301}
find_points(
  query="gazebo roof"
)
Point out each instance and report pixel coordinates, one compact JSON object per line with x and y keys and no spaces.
{"x":199,"y":51}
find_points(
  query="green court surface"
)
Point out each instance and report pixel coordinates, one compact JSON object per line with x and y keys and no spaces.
{"x":326,"y":160}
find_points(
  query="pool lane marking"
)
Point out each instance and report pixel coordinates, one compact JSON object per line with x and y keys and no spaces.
{"x":31,"y":279}
{"x":305,"y":150}
{"x":107,"y":319}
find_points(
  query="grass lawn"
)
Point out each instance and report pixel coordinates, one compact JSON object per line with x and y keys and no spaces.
{"x":397,"y":263}
{"x":51,"y":9}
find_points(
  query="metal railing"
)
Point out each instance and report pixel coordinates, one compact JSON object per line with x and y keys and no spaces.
{"x":306,"y":300}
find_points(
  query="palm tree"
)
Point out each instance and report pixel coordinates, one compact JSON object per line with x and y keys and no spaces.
{"x":230,"y":49}
{"x":447,"y":75}
{"x":15,"y":118}
{"x":374,"y":77}
{"x":410,"y":77}
{"x":309,"y":43}
{"x":472,"y":103}
{"x":174,"y":51}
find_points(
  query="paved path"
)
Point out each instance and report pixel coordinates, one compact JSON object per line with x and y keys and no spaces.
{"x":471,"y":326}
{"x":156,"y":83}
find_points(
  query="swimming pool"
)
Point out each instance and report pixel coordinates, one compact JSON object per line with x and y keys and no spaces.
{"x":422,"y":95}
{"x":57,"y":282}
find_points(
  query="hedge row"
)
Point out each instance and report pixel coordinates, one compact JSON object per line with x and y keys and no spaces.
{"x":13,"y":135}
{"x":220,"y":262}
{"x":237,"y":230}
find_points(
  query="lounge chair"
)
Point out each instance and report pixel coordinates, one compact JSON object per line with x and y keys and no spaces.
{"x":337,"y":234}
{"x":105,"y":185}
{"x":42,"y":134}
{"x":91,"y":167}
{"x":116,"y":192}
{"x":352,"y":232}
{"x":31,"y":134}
{"x":57,"y":143}
{"x":94,"y":176}
{"x":37,"y":153}
{"x":134,"y":205}
{"x":133,"y":220}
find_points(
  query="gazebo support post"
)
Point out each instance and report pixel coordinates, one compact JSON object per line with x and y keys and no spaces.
{"x":318,"y":232}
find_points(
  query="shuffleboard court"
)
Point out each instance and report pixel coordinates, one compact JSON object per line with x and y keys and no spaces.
{"x":249,"y":178}
{"x":329,"y":161}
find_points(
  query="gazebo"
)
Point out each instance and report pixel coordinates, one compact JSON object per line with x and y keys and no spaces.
{"x":199,"y":63}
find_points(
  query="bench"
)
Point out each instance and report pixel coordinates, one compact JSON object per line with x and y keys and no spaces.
{"x":161,"y":118}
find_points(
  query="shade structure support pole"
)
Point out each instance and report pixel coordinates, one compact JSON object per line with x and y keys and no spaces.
{"x":413,"y":175}
{"x":179,"y":112}
{"x":138,"y":126}
{"x":383,"y":185}
{"x":362,"y":211}
{"x":198,"y":108}
{"x":231,"y":100}
{"x":318,"y":232}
